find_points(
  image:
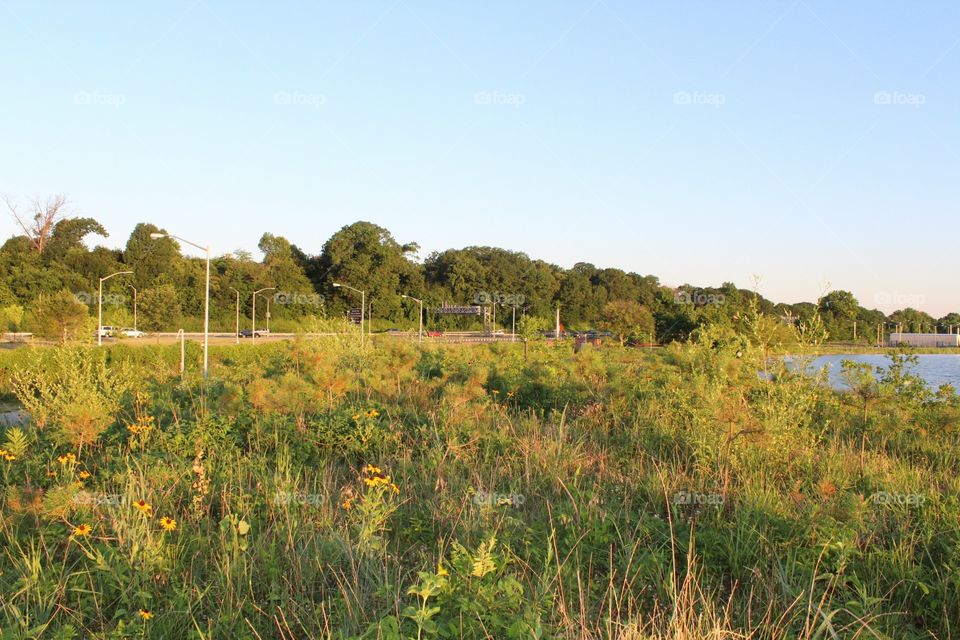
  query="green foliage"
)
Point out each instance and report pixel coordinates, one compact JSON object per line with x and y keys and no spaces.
{"x":60,"y":317}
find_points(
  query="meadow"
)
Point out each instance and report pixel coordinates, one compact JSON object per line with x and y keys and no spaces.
{"x":314,"y":489}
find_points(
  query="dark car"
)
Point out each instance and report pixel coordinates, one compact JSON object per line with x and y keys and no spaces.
{"x":246,"y":333}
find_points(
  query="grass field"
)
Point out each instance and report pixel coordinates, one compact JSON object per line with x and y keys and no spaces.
{"x":311,"y":489}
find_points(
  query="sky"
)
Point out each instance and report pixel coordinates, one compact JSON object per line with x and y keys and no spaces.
{"x":788,"y":146}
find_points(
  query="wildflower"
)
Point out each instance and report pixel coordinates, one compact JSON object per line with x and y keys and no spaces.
{"x":144,"y":614}
{"x":441,"y":571}
{"x":373,"y":470}
{"x":51,"y":473}
{"x":143,"y":506}
{"x":347,"y":504}
{"x":373,"y":413}
{"x":9,"y":457}
{"x":82,"y":531}
{"x":495,"y":392}
{"x":168,"y":524}
{"x":67,"y":458}
{"x":356,"y":417}
{"x":84,"y":474}
{"x":3,"y":452}
{"x":510,"y":394}
{"x":394,"y":488}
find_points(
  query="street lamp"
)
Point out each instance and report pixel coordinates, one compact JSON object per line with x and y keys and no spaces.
{"x":236,"y":332}
{"x":134,"y":306}
{"x":420,"y":333}
{"x":363,"y":304}
{"x":206,"y":298}
{"x":100,"y":305}
{"x":253,"y":313}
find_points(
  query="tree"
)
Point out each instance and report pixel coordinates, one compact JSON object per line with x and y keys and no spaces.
{"x":59,"y":316}
{"x":153,"y":261}
{"x":40,"y":226}
{"x":627,"y":318}
{"x":367,"y":257}
{"x":68,"y":235}
{"x":159,"y":308}
{"x":839,"y":310}
{"x":913,"y":320}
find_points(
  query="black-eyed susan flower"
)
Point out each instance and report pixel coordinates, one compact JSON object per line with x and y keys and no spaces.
{"x":67,"y":458}
{"x":9,"y":457}
{"x":143,"y":506}
{"x":144,"y":614}
{"x":347,"y":504}
{"x":83,"y":475}
{"x":82,"y":530}
{"x":167,"y":523}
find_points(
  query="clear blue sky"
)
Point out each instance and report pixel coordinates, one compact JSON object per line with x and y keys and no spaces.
{"x":804,"y":142}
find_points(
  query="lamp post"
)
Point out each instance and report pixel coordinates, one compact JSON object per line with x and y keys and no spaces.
{"x":253,"y":314}
{"x":236,"y":332}
{"x":363,"y":304}
{"x":206,"y":298}
{"x":420,"y":332}
{"x":100,"y":305}
{"x":134,"y":306}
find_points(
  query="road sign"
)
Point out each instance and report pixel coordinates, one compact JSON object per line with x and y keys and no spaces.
{"x":354,"y":315}
{"x":459,"y":310}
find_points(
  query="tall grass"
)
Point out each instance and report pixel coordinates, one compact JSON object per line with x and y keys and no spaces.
{"x":609,"y":494}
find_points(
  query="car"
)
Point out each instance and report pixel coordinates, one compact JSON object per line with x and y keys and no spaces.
{"x":434,"y":334}
{"x":132,"y":333}
{"x":246,"y":333}
{"x":105,"y":332}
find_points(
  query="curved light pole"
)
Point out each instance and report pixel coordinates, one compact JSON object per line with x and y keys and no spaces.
{"x":134,"y":306}
{"x":363,"y":304}
{"x":236,"y":333}
{"x":420,"y":332}
{"x":253,"y":314}
{"x":100,"y":304}
{"x":206,"y":298}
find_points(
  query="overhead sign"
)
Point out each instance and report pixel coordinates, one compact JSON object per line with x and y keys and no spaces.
{"x":459,"y":310}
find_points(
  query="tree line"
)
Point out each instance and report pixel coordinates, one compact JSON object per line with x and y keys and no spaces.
{"x":50,"y":278}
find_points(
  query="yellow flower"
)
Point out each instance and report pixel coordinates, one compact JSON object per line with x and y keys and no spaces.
{"x":143,"y":506}
{"x":67,"y":458}
{"x":143,"y":613}
{"x":84,"y":474}
{"x":394,"y":488}
{"x":509,"y":394}
{"x":370,"y":482}
{"x":3,"y":452}
{"x":495,"y":392}
{"x":51,"y":474}
{"x":441,"y":571}
{"x":168,"y":524}
{"x":9,"y":457}
{"x":356,"y":417}
{"x":373,"y":413}
{"x":348,"y":504}
{"x":82,"y":531}
{"x":373,"y":469}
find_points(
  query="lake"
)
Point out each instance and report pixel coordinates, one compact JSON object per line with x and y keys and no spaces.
{"x":935,"y":368}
